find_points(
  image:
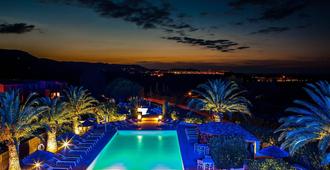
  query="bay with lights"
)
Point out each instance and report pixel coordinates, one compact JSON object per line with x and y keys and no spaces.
{"x":140,"y":150}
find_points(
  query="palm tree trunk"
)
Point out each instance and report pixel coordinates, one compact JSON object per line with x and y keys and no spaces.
{"x":218,"y":117}
{"x":76,"y":126}
{"x":13,"y":158}
{"x":99,"y":119}
{"x":51,"y":141}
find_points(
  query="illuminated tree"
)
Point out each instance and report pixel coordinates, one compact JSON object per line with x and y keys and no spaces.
{"x":18,"y":121}
{"x":52,"y":120}
{"x":107,"y":112}
{"x":134,"y":104}
{"x":220,"y":97}
{"x":79,"y":101}
{"x":310,"y":122}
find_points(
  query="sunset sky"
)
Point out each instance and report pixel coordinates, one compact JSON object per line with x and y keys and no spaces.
{"x":242,"y":35}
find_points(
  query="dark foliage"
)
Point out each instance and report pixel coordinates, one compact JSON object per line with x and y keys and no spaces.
{"x":122,"y":89}
{"x":228,"y":151}
{"x":269,"y":164}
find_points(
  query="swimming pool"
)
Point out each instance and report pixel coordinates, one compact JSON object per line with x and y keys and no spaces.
{"x":140,"y":150}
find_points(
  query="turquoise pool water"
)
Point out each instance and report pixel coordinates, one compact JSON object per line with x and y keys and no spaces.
{"x":140,"y":150}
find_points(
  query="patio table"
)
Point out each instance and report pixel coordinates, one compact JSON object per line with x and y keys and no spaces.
{"x":208,"y":163}
{"x":201,"y":149}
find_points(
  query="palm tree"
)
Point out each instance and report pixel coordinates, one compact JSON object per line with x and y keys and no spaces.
{"x":79,"y":101}
{"x":107,"y":111}
{"x":52,"y":120}
{"x":134,"y":103}
{"x":310,"y":122}
{"x":18,"y":121}
{"x":220,"y":97}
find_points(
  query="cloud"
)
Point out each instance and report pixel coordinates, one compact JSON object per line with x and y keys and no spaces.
{"x":149,"y":14}
{"x":220,"y":44}
{"x":242,"y":47}
{"x":203,"y":14}
{"x":214,"y":27}
{"x":239,"y":4}
{"x":269,"y":30}
{"x":143,"y":13}
{"x":16,"y":28}
{"x":183,"y":15}
{"x":182,"y":26}
{"x":181,"y":32}
{"x":140,"y":12}
{"x":238,"y":23}
{"x":168,"y":30}
{"x":283,"y":10}
{"x":271,"y":10}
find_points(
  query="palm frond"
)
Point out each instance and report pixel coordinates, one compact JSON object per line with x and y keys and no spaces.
{"x":79,"y":101}
{"x":54,"y":116}
{"x":17,"y":118}
{"x":220,"y":97}
{"x":311,"y":121}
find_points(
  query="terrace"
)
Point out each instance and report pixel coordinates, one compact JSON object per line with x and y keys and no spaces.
{"x":89,"y":149}
{"x":137,"y":134}
{"x":83,"y":151}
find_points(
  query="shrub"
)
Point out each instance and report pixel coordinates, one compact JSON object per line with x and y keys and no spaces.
{"x":309,"y":157}
{"x":194,"y":120}
{"x":265,"y":134}
{"x":117,"y":117}
{"x":228,"y":151}
{"x":269,"y":164}
{"x":174,"y":116}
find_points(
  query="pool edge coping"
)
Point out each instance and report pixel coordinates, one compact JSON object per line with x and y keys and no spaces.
{"x":92,"y":164}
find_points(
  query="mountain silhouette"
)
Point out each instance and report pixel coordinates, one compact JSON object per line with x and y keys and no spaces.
{"x":16,"y":64}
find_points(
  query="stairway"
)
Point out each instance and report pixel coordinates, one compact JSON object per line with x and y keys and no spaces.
{"x":191,"y":134}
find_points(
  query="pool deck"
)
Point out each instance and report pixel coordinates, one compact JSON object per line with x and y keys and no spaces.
{"x":186,"y":148}
{"x":189,"y":157}
{"x":96,"y":150}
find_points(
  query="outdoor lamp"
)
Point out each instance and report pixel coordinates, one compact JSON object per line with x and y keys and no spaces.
{"x":37,"y":165}
{"x":66,"y":144}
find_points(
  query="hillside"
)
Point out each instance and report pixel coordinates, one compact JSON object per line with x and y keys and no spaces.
{"x":15,"y":64}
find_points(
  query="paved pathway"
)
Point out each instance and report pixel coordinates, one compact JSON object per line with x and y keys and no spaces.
{"x":187,"y":150}
{"x":96,"y":150}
